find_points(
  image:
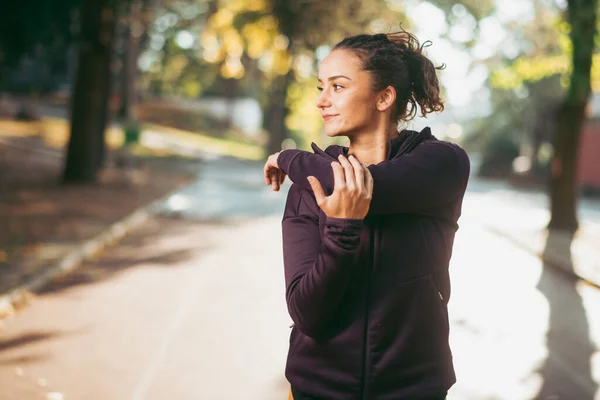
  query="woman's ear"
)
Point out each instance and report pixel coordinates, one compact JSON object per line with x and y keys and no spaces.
{"x":386,"y":98}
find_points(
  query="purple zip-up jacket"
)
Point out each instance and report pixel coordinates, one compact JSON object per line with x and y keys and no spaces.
{"x":369,"y":297}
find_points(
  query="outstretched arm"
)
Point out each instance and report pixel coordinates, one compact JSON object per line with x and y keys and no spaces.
{"x":430,"y":176}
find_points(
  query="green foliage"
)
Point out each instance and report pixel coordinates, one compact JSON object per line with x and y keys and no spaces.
{"x":23,"y":26}
{"x":170,"y":114}
{"x":258,"y":42}
{"x":550,"y":59}
{"x":304,"y":122}
{"x":455,"y":9}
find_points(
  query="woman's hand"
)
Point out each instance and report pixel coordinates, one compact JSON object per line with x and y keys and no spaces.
{"x":353,"y":190}
{"x":273,"y":175}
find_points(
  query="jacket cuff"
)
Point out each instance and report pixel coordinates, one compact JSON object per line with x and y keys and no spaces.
{"x":348,"y":224}
{"x":345,"y":233}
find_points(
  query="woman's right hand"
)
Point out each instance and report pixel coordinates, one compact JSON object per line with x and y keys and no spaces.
{"x":353,"y":190}
{"x":273,"y":175}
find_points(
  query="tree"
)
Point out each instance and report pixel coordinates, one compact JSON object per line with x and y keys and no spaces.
{"x":168,"y":66}
{"x":33,"y":44}
{"x":524,"y":96}
{"x":569,"y":54}
{"x":23,"y":27}
{"x":581,"y":16}
{"x":579,"y":67}
{"x":89,"y":101}
{"x":132,"y":32}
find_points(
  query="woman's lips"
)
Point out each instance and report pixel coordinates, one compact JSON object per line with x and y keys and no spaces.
{"x":327,"y":117}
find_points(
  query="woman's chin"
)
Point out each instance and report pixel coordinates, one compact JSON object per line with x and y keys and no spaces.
{"x":333,"y":133}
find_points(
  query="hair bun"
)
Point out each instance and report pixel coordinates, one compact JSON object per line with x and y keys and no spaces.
{"x":381,"y":36}
{"x":396,"y":59}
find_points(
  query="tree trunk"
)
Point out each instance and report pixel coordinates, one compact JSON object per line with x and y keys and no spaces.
{"x":571,"y":116}
{"x":277,"y":111}
{"x":287,"y":14}
{"x":563,"y":179}
{"x":129,"y":73}
{"x":91,"y":92}
{"x":231,"y":93}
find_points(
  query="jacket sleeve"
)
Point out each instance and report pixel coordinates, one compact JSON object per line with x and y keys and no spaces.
{"x":317,"y":268}
{"x":300,"y":164}
{"x":430,"y":176}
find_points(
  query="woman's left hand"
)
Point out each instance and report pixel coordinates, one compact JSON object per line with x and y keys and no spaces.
{"x":273,"y":175}
{"x":351,"y":197}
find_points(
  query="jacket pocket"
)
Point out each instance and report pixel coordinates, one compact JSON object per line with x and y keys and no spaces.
{"x":292,"y":332}
{"x":410,"y":329}
{"x":439,"y":301}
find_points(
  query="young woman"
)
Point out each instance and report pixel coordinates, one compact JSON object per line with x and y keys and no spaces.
{"x":366,"y":249}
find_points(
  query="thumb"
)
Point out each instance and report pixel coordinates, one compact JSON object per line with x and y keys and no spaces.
{"x":317,"y":189}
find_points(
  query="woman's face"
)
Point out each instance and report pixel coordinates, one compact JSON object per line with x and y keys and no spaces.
{"x":347,"y":103}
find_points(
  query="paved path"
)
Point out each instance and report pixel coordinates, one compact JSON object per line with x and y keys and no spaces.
{"x":192,"y":307}
{"x":173,"y":312}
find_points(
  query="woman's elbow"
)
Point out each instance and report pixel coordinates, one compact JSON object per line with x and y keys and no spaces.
{"x":306,"y":320}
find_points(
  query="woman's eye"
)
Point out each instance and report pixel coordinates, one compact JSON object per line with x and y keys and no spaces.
{"x":335,"y":88}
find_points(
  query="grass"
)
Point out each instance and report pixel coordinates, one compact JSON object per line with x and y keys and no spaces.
{"x":55,"y":133}
{"x":226,"y":147}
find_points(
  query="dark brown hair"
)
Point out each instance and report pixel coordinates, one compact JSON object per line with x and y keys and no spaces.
{"x":396,"y":59}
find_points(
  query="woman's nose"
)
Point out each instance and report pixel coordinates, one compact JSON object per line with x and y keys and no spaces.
{"x":323,"y":100}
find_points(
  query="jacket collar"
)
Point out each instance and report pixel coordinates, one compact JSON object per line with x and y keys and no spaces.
{"x":404,"y":143}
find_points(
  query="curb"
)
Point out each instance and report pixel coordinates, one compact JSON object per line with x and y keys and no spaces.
{"x":73,"y":259}
{"x":557,"y":260}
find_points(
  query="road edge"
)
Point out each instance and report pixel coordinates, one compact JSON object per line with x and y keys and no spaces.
{"x":72,"y":259}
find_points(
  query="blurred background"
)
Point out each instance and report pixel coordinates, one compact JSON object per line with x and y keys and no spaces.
{"x":140,"y":251}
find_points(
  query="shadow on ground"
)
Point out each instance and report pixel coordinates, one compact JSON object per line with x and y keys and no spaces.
{"x":566,"y":372}
{"x":159,"y":243}
{"x":12,"y":343}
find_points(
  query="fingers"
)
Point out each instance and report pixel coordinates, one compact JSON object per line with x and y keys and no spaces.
{"x":275,"y":180}
{"x":359,"y":173}
{"x":339,"y":180}
{"x":270,"y":166}
{"x":348,"y":173}
{"x":317,"y":190}
{"x":272,"y":174}
{"x":266,"y":173}
{"x":368,"y":182}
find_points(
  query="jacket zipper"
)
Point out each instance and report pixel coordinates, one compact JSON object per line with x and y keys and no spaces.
{"x":366,"y":367}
